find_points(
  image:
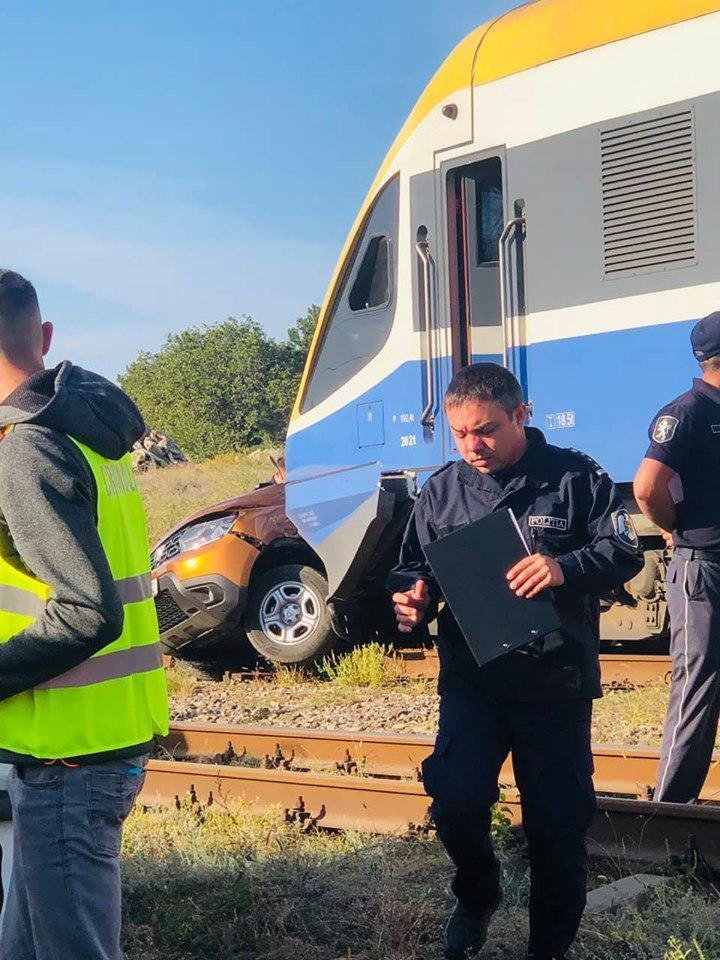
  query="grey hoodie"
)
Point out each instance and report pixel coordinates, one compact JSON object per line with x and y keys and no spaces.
{"x":48,"y":506}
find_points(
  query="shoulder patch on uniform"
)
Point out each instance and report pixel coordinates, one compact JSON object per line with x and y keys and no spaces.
{"x":715,"y":427}
{"x":624,"y":527}
{"x":664,"y":429}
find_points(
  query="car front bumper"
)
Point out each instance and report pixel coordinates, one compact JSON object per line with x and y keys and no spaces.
{"x":192,"y":612}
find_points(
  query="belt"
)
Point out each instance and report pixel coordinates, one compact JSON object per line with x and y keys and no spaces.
{"x":692,"y":553}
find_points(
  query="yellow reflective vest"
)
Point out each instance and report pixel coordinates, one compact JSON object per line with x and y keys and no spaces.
{"x":118,"y":697}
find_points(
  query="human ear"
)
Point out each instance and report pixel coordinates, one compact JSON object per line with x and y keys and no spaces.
{"x":47,"y":332}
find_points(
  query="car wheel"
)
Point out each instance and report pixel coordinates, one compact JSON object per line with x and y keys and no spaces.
{"x":287,"y":619}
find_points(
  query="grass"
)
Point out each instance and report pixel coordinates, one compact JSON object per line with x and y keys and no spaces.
{"x":290,"y":675}
{"x":681,"y":951}
{"x":631,"y":717}
{"x":173,"y":493}
{"x":366,"y":666}
{"x":225,"y":883}
{"x":180,"y":683}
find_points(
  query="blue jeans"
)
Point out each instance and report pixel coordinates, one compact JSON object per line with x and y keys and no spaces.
{"x":64,"y":898}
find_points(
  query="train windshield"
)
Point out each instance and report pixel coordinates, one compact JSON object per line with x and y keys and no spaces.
{"x":363,"y":310}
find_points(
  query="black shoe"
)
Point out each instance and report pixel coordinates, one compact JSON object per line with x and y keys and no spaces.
{"x":466,"y":932}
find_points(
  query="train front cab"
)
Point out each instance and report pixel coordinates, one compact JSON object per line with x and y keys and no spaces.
{"x":553,"y":203}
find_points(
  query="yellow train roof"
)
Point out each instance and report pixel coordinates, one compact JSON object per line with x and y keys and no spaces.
{"x":538,"y":32}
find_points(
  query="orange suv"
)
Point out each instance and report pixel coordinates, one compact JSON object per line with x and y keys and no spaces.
{"x":240,"y":569}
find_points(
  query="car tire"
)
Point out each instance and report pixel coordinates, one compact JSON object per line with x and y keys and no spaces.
{"x":287,"y":619}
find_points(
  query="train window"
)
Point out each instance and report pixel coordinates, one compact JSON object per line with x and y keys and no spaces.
{"x":362,"y":307}
{"x":372,"y":284}
{"x":489,"y":215}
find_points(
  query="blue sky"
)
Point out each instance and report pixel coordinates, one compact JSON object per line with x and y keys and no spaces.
{"x":170,"y":163}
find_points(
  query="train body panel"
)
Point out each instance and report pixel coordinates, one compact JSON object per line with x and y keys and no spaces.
{"x":553,"y":202}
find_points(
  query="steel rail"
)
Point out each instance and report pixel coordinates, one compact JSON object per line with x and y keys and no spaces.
{"x":362,"y":803}
{"x":614,"y":667}
{"x":633,"y":829}
{"x":634,"y":669}
{"x":629,"y":771}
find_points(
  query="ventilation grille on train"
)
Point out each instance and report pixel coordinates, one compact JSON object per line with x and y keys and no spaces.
{"x":648,"y":195}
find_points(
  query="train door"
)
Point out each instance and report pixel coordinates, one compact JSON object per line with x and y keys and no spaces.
{"x":485,"y":265}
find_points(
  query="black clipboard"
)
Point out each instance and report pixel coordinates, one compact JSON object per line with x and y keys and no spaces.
{"x":470,"y":566}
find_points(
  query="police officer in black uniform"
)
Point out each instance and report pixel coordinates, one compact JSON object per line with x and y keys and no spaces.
{"x":535,"y":702}
{"x":678,"y":487}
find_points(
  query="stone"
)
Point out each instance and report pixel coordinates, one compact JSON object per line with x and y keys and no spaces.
{"x":630,"y":891}
{"x":155,"y":449}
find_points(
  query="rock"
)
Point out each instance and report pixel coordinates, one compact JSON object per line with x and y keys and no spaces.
{"x":634,"y":890}
{"x":263,"y":454}
{"x":154,"y":450}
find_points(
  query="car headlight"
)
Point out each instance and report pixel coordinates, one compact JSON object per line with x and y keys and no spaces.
{"x":192,"y":537}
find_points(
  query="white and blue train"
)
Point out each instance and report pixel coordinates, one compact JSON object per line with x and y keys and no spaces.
{"x":551,"y":203}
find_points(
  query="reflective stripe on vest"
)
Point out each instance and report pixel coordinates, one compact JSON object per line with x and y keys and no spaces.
{"x":22,"y":602}
{"x":116,"y":698}
{"x":111,"y":666}
{"x":135,"y":589}
{"x":26,"y":604}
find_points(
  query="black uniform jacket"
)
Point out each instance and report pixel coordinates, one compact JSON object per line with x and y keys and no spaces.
{"x":685,"y":436}
{"x":568,"y":508}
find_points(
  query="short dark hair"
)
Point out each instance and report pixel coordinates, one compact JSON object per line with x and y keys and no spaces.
{"x":485,"y":383}
{"x":18,"y":298}
{"x":19,"y":311}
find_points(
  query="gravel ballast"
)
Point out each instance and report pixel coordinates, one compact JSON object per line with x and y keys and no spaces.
{"x":623,"y":716}
{"x":321,"y":706}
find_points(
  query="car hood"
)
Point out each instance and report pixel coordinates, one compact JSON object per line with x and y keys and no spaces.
{"x":266,"y":498}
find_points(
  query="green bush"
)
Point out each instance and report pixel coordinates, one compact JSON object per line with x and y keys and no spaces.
{"x":368,"y":665}
{"x":223,"y":387}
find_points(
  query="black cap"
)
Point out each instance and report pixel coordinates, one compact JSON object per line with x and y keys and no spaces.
{"x":705,"y":337}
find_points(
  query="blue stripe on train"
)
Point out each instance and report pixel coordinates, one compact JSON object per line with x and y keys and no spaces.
{"x":600,"y":393}
{"x":345,"y":438}
{"x":597,"y":393}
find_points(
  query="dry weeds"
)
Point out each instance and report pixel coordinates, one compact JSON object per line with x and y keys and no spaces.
{"x":226,"y":884}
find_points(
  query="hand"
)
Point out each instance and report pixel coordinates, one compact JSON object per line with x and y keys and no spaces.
{"x":534,"y":574}
{"x":410,"y":606}
{"x":668,"y":538}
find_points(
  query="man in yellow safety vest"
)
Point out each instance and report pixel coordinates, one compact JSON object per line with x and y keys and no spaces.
{"x":82,"y":689}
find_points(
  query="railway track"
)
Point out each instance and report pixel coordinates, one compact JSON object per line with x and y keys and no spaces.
{"x":616,"y":668}
{"x":629,"y":771}
{"x":388,"y":797}
{"x":636,"y":669}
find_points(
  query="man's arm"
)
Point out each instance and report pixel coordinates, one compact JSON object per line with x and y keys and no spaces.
{"x":652,"y":487}
{"x":48,"y":500}
{"x":414,"y":602}
{"x":613,"y":554}
{"x":661,"y":468}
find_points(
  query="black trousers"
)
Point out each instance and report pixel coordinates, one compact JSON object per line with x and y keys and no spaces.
{"x":552,"y":760}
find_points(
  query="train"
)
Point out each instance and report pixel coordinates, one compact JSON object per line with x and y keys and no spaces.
{"x":552,"y":203}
